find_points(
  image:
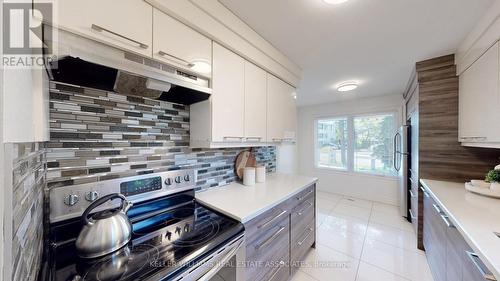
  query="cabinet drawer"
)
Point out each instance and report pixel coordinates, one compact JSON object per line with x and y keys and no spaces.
{"x":302,"y":196}
{"x":269,"y":254}
{"x":301,"y":244}
{"x":474,"y":269}
{"x":268,"y":220}
{"x":301,"y":218}
{"x":275,"y":238}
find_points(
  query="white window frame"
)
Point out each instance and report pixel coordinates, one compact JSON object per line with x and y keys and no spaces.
{"x":350,"y":142}
{"x":316,"y":148}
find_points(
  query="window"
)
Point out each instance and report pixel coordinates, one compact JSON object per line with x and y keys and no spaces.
{"x":332,"y":143}
{"x":356,"y":143}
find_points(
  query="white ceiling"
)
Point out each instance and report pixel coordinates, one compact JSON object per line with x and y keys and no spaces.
{"x":375,"y":42}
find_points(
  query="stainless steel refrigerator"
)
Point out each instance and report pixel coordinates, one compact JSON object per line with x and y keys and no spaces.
{"x":401,"y":164}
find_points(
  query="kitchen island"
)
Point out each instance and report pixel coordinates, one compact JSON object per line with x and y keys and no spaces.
{"x":279,"y":218}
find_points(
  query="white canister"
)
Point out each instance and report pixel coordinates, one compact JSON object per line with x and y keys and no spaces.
{"x":260,"y":173}
{"x":249,"y":176}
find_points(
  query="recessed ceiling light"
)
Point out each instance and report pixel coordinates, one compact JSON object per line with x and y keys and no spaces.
{"x":347,"y":86}
{"x":335,"y":2}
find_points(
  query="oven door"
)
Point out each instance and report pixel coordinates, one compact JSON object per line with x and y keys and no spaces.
{"x":224,"y":264}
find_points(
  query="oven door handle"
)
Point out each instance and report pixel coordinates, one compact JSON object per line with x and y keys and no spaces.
{"x":220,"y":263}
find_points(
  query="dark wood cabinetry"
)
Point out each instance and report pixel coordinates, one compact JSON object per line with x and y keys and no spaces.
{"x":450,"y":257}
{"x":278,"y":239}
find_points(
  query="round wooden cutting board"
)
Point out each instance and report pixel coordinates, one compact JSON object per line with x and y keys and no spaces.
{"x":246,"y":158}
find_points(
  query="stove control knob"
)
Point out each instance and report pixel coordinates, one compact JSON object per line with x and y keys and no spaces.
{"x":168,"y":181}
{"x":178,"y":179}
{"x":178,"y":230}
{"x":91,"y":196}
{"x":71,"y":199}
{"x":168,"y":235}
{"x":186,"y":178}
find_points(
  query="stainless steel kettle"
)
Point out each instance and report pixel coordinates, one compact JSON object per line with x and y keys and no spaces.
{"x":106,"y":231}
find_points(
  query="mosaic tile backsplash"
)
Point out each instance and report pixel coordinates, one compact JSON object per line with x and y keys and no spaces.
{"x":28,"y":182}
{"x":97,"y":135}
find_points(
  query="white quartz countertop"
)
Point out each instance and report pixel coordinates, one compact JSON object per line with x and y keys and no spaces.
{"x":244,"y":203}
{"x":476,"y":218}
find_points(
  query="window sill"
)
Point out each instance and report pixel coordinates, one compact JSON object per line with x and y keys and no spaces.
{"x":353,"y":173}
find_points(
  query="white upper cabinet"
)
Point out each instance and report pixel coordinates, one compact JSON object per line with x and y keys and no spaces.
{"x":479,"y":101}
{"x":179,"y":45}
{"x":228,"y":98}
{"x":255,"y":103}
{"x":126,"y":24}
{"x":281,"y":111}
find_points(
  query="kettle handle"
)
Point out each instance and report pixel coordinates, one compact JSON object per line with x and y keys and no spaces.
{"x":125,"y":205}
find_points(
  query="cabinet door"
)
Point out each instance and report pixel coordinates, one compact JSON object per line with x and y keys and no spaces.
{"x":228,"y":96}
{"x":255,"y":103}
{"x":178,"y":45}
{"x":290,"y":133}
{"x":434,"y":237}
{"x":479,"y":99}
{"x":125,"y":24}
{"x":281,"y":110}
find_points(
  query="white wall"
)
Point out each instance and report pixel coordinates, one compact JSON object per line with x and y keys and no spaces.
{"x":287,"y":158}
{"x":376,"y":188}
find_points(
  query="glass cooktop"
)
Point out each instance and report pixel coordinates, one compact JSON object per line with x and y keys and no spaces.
{"x":166,"y":241}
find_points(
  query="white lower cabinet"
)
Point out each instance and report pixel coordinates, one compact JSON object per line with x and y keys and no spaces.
{"x":126,"y":24}
{"x":479,"y":101}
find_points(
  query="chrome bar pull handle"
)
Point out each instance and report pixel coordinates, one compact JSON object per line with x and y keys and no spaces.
{"x":102,"y":29}
{"x":271,"y":220}
{"x":170,"y":57}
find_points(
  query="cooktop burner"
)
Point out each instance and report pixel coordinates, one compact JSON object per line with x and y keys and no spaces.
{"x":164,"y":240}
{"x":122,"y":265}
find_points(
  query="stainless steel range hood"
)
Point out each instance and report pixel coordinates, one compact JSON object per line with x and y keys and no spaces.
{"x":84,"y":62}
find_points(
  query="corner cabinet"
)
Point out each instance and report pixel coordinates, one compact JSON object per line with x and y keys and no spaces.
{"x":248,"y":107}
{"x":479,"y":101}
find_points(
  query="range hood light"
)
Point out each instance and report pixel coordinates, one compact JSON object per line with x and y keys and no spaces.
{"x":201,"y":67}
{"x":158,"y":85}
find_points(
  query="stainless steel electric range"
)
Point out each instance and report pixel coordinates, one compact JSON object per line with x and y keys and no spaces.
{"x":173,"y":236}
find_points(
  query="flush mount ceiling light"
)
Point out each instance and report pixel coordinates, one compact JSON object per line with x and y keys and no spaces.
{"x":347,"y":86}
{"x":335,"y":2}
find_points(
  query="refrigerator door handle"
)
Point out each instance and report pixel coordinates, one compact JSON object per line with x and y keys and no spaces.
{"x":396,"y":152}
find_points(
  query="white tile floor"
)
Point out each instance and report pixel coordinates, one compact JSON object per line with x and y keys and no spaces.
{"x":360,"y":240}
